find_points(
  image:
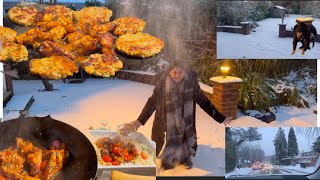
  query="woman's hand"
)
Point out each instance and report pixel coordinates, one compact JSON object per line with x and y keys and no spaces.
{"x":136,"y":123}
{"x":227,"y":120}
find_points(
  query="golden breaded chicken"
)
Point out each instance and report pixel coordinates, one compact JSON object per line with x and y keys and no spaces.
{"x":54,"y":164}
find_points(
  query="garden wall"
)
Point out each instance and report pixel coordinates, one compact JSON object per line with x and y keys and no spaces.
{"x":243,"y":29}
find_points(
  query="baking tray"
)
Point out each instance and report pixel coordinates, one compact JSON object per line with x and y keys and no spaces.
{"x":131,"y":169}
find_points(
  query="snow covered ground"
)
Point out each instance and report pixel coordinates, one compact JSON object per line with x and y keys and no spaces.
{"x":264,"y":43}
{"x":297,"y":168}
{"x":116,"y":102}
{"x":241,"y":171}
{"x":285,"y":117}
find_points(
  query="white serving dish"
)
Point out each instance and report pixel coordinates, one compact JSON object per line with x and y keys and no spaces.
{"x":132,"y":168}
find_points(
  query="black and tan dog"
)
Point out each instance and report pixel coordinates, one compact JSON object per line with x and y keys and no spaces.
{"x":305,"y":33}
{"x":301,"y":34}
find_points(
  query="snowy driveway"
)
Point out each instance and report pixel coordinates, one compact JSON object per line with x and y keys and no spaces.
{"x":264,"y":43}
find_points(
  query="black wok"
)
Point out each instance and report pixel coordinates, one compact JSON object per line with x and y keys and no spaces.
{"x":41,"y":131}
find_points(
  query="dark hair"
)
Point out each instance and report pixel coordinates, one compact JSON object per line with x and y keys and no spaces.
{"x":176,"y":63}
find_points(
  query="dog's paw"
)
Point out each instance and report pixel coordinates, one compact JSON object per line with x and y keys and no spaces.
{"x":302,"y":52}
{"x":293,"y":52}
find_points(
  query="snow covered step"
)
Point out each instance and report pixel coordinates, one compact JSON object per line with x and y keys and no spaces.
{"x":19,"y":102}
{"x":7,"y":115}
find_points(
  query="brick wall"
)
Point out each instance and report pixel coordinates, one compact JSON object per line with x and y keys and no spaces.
{"x":225,"y":97}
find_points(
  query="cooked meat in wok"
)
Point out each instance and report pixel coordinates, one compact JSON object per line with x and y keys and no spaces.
{"x":28,"y":162}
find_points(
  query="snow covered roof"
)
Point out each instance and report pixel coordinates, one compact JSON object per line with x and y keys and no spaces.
{"x":305,"y":161}
{"x":227,"y":79}
{"x":279,"y":7}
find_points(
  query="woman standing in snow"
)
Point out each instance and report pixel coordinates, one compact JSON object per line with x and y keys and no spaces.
{"x":174,"y":100}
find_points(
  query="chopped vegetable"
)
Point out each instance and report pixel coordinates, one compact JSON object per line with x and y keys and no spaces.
{"x":106,"y":159}
{"x":143,"y":155}
{"x":115,"y":163}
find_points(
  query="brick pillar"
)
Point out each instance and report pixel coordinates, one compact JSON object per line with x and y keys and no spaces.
{"x":225,"y":94}
{"x":245,"y":27}
{"x":282,"y":30}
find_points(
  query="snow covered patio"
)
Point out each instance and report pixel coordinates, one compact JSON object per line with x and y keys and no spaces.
{"x":264,"y":43}
{"x":98,"y":101}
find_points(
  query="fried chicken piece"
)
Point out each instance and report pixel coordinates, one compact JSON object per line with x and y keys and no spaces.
{"x":34,"y":160}
{"x":84,"y":26}
{"x":82,"y":46}
{"x":106,"y":42}
{"x":55,"y":163}
{"x":49,"y":48}
{"x":101,"y":28}
{"x":12,"y":163}
{"x":72,"y":37}
{"x":60,"y":21}
{"x":29,"y":37}
{"x":27,"y":177}
{"x":36,"y":35}
{"x":24,"y":147}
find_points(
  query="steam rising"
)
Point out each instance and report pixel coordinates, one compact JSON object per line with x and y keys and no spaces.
{"x":173,"y":21}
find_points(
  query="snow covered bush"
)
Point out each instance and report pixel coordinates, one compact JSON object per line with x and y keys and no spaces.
{"x":254,"y":93}
{"x":268,"y":83}
{"x":234,"y":12}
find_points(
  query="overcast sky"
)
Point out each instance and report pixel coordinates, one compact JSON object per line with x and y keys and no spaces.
{"x":268,"y":135}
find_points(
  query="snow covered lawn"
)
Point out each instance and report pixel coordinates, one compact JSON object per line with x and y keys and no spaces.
{"x":116,"y":102}
{"x":264,"y":43}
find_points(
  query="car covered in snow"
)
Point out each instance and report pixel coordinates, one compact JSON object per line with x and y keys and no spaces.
{"x":256,"y":166}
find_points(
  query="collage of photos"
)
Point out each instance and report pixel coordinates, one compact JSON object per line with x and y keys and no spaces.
{"x":159,"y":89}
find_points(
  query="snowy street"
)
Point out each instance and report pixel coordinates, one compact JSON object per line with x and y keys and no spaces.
{"x":114,"y":102}
{"x":264,"y":43}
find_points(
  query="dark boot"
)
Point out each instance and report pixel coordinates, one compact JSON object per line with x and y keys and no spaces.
{"x":166,"y":166}
{"x":188,"y":163}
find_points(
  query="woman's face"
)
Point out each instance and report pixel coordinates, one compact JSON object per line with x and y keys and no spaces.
{"x":177,"y":74}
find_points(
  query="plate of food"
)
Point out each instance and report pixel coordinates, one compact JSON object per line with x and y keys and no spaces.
{"x":123,"y":152}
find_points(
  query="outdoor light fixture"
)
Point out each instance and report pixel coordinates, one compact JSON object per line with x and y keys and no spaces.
{"x":224,"y":70}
